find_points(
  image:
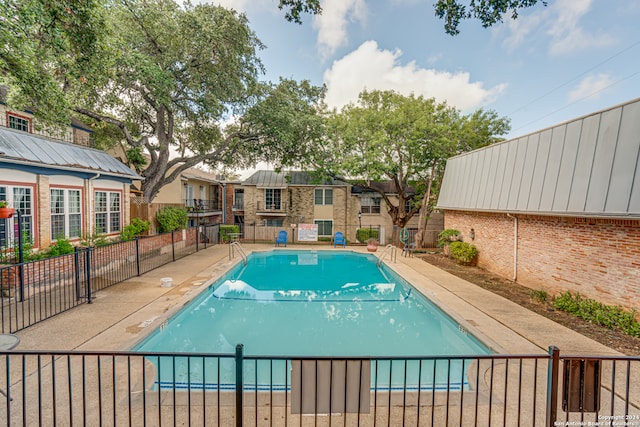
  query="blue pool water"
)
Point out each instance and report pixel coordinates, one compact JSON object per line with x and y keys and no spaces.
{"x":307,"y":303}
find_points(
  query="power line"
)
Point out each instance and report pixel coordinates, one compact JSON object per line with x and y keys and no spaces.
{"x":575,"y":78}
{"x":578,"y":100}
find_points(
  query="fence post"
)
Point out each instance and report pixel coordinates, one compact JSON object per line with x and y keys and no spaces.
{"x":173,"y":247}
{"x":552,"y":385}
{"x":76,"y":260}
{"x":88,"y":273}
{"x":239,"y":384}
{"x":20,"y":257}
{"x":138,"y":255}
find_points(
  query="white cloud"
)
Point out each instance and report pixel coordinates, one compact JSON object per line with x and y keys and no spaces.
{"x":369,"y":67}
{"x":590,"y":87}
{"x":332,"y":23}
{"x":561,"y":23}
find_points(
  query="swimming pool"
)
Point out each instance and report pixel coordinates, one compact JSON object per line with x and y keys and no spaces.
{"x":313,"y":303}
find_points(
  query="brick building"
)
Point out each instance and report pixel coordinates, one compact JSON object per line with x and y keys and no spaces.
{"x":558,"y":209}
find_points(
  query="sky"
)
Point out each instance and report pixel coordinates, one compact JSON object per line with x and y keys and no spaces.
{"x":550,"y":65}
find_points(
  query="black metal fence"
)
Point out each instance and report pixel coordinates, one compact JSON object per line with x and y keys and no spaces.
{"x":164,"y":389}
{"x":37,"y":290}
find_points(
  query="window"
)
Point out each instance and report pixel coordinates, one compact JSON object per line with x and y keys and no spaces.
{"x":107,"y":211}
{"x":188,"y":194}
{"x":273,"y":198}
{"x":323,"y":196}
{"x":19,"y":123}
{"x":238,"y":199}
{"x":273,"y":222}
{"x":370,"y":204}
{"x":21,"y":200}
{"x":325,"y":227}
{"x":66,"y":218}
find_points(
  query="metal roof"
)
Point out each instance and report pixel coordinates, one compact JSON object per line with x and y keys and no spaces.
{"x":584,"y":167}
{"x":25,"y":148}
{"x":272,"y":179}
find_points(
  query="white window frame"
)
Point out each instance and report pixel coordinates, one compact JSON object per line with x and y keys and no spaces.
{"x":275,"y":202}
{"x":111,"y":215}
{"x":24,"y":123}
{"x":322,"y":193}
{"x":68,"y":211}
{"x":26,"y":207}
{"x":323,"y":221}
{"x":367,"y":205}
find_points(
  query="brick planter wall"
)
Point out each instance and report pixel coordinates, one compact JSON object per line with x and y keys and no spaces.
{"x":599,"y":258}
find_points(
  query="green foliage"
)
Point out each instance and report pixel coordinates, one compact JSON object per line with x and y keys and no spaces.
{"x":136,"y":228}
{"x":94,"y":240}
{"x":136,"y":158}
{"x":488,"y":12}
{"x":464,"y":253}
{"x":226,"y":229}
{"x":172,"y":218}
{"x":4,"y":204}
{"x":364,"y":234}
{"x":61,"y":246}
{"x":613,"y":317}
{"x":447,"y":236}
{"x":539,"y":295}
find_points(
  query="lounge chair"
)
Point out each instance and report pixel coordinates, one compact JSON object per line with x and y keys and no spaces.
{"x":339,"y":239}
{"x":281,"y":238}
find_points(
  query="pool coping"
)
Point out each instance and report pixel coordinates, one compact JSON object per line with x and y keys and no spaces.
{"x":127,"y":313}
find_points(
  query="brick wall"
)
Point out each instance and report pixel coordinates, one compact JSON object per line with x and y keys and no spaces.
{"x":599,"y":258}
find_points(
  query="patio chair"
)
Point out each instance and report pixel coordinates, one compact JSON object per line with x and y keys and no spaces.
{"x":281,"y":238}
{"x":408,"y":249}
{"x":339,"y":239}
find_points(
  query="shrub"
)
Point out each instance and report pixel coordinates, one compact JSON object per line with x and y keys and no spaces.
{"x":172,"y":218}
{"x":612,"y":317}
{"x":136,"y":228}
{"x":94,"y":240}
{"x":364,"y":234}
{"x":463,"y":253}
{"x":539,"y":295}
{"x":61,"y":246}
{"x":226,"y":229}
{"x":447,"y":236}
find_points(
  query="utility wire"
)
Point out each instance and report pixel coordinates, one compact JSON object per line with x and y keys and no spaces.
{"x":575,"y":78}
{"x":578,"y":100}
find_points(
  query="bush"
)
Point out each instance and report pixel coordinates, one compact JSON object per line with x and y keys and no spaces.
{"x":136,"y":228}
{"x":463,"y":253}
{"x":447,"y":236}
{"x":172,"y":218}
{"x":364,"y":234}
{"x":612,"y":317}
{"x":226,"y":229}
{"x":61,"y":246}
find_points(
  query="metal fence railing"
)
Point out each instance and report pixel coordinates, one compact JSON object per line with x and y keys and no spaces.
{"x":37,"y":290}
{"x":125,"y":388}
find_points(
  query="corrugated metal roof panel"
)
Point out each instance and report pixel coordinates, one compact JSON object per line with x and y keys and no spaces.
{"x":39,"y":151}
{"x":589,"y":166}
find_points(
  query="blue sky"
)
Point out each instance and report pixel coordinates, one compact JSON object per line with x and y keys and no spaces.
{"x":552,"y":64}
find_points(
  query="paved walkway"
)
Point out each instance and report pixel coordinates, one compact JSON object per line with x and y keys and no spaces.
{"x":124,"y":314}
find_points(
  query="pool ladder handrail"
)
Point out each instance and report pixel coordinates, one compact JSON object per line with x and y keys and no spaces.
{"x":392,"y":250}
{"x":232,"y":247}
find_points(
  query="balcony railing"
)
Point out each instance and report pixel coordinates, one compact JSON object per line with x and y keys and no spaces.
{"x":271,"y":208}
{"x":201,"y":205}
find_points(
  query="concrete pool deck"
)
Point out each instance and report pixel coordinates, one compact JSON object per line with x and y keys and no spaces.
{"x":124,"y":314}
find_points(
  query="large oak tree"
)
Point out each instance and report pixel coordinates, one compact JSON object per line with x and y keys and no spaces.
{"x":404,"y":140}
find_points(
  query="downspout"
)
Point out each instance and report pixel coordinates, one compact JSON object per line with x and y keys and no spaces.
{"x":515,"y":246}
{"x":224,"y":202}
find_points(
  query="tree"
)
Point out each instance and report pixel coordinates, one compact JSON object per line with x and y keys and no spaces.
{"x":47,"y":46}
{"x":488,"y":12}
{"x":181,"y":73}
{"x":404,"y":140}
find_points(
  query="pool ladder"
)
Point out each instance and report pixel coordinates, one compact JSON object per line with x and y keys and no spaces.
{"x":389,"y":249}
{"x":232,"y":251}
